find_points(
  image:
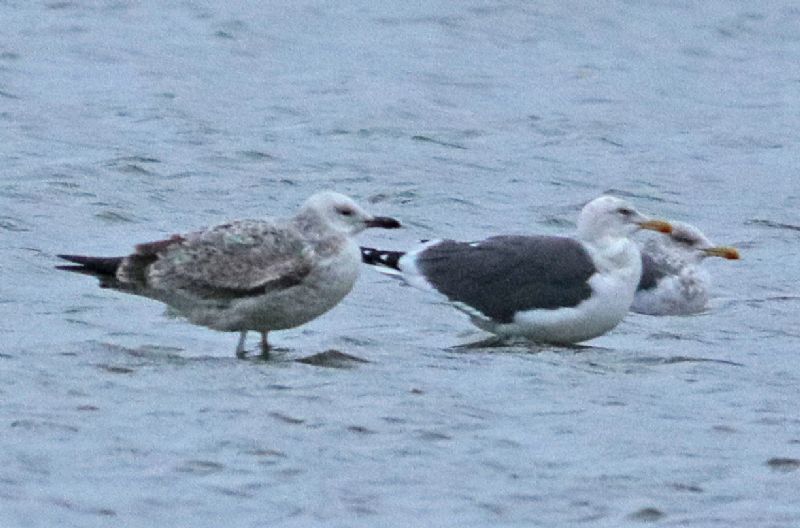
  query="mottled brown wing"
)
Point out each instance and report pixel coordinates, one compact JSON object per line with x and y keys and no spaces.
{"x":239,"y":259}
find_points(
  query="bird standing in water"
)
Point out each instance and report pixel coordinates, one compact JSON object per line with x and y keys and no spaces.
{"x":550,"y":289}
{"x":259,"y":275}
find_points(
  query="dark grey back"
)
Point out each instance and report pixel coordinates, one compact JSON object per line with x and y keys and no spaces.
{"x":652,"y":272}
{"x":502,"y":275}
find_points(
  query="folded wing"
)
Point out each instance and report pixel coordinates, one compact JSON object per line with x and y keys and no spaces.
{"x":503,"y":275}
{"x":240,"y":259}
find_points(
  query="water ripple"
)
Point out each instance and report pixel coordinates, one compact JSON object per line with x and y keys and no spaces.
{"x":464,"y":120}
{"x":772,"y":224}
{"x":9,"y":223}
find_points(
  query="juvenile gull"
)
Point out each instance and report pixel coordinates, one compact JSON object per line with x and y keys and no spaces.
{"x":673,"y":279}
{"x":545,"y":288}
{"x":245,"y":275}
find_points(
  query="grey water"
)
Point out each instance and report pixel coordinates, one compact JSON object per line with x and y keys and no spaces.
{"x":125,"y":121}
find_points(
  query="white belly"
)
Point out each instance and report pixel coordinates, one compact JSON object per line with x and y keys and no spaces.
{"x":682,"y":294}
{"x":611,"y":298}
{"x":327,"y":284}
{"x":619,"y":270}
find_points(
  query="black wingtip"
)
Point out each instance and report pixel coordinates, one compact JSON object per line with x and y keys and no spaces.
{"x":378,"y":257}
{"x":91,"y":265}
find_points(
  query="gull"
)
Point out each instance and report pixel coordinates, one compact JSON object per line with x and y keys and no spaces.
{"x":551,"y":289}
{"x":673,"y":281}
{"x":259,"y":275}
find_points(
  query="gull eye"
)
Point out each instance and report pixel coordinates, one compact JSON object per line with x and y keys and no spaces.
{"x":683,"y":239}
{"x":625,"y":211}
{"x":345,"y":211}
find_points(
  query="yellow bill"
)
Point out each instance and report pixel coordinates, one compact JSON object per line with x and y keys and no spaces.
{"x":661,"y":226}
{"x":727,"y":252}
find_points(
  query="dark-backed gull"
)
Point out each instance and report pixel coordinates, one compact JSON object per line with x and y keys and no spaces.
{"x":546,"y":288}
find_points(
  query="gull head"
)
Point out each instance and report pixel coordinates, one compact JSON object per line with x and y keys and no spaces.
{"x":688,"y":239}
{"x":340,"y":213}
{"x":608,"y":216}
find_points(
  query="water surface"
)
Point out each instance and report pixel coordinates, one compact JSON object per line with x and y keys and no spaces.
{"x":122,"y":122}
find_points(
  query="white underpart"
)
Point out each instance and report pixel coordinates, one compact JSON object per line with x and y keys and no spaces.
{"x":619,"y":267}
{"x":604,"y":232}
{"x":613,"y":287}
{"x":682,"y":294}
{"x":328,"y":283}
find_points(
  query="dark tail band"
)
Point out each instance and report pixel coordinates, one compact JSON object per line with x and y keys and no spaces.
{"x":379,"y":257}
{"x":98,"y":266}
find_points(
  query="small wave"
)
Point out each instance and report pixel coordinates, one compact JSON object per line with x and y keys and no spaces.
{"x":8,"y":223}
{"x":783,"y":464}
{"x":114,"y":217}
{"x":772,"y":224}
{"x":255,"y":155}
{"x":672,"y":360}
{"x":428,"y":139}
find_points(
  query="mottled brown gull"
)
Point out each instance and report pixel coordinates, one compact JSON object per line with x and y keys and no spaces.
{"x":258,"y":275}
{"x":673,"y":279}
{"x":545,"y":288}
